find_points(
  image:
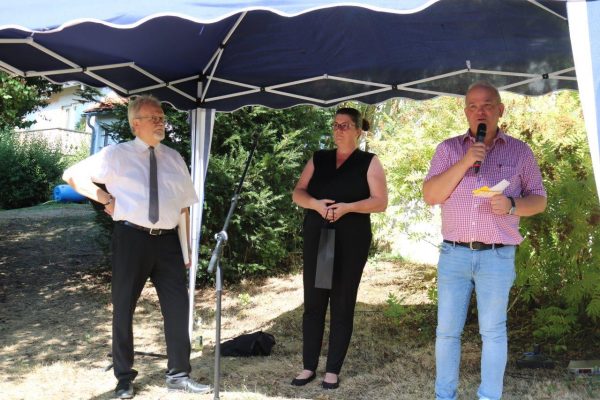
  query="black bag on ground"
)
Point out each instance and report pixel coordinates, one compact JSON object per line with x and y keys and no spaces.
{"x":250,"y":344}
{"x":325,"y":257}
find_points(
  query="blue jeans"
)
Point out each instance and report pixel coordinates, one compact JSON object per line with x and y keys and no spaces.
{"x":492,"y":273}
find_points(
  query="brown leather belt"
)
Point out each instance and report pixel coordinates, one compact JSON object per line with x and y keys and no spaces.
{"x":151,"y":231}
{"x":475,"y":245}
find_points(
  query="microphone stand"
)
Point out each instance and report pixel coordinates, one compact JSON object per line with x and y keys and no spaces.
{"x":215,"y":261}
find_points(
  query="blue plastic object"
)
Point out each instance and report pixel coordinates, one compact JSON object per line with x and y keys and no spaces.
{"x":66,"y":194}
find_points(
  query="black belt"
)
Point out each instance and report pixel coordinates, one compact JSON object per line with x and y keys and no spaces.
{"x":475,"y":245}
{"x":151,"y":231}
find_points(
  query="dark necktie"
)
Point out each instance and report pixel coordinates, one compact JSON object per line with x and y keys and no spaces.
{"x":153,"y":208}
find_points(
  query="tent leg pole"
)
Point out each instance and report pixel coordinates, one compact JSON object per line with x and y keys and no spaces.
{"x":219,"y":292}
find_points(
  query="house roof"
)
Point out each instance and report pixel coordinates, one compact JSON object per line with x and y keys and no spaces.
{"x":106,"y":104}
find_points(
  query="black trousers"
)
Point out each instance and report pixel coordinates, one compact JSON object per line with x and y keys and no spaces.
{"x":137,"y":256}
{"x":352,"y":242}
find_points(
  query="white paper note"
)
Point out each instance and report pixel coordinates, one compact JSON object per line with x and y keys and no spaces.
{"x":183,"y":239}
{"x":494,"y":190}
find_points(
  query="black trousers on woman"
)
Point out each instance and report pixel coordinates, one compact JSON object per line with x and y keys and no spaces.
{"x":352,"y":242}
{"x":137,"y":256}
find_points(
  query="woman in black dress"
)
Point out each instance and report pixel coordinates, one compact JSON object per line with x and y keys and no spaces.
{"x":344,"y":186}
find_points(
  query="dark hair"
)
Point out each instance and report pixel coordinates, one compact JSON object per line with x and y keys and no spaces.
{"x":354,"y":114}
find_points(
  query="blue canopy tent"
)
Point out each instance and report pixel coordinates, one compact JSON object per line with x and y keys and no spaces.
{"x":208,"y":56}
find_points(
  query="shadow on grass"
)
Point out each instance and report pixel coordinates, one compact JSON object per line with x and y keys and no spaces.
{"x":378,"y":343}
{"x":54,"y":282}
{"x":388,"y":358}
{"x":55,"y":308}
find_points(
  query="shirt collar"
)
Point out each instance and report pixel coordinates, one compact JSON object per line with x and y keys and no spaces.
{"x":141,"y":146}
{"x":501,"y":135}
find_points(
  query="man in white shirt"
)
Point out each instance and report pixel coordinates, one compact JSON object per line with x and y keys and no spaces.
{"x":148,"y":187}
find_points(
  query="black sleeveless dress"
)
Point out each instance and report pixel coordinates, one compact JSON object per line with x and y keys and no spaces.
{"x":345,"y":184}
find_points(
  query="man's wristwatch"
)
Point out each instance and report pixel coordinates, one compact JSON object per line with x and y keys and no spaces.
{"x":110,"y":199}
{"x":513,"y":206}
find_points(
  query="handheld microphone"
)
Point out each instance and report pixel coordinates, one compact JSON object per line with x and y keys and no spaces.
{"x":481,"y":130}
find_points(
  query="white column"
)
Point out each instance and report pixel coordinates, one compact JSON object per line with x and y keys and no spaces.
{"x":202,"y":122}
{"x":584,"y":28}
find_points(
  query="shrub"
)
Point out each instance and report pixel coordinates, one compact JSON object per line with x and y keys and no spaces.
{"x":20,"y":97}
{"x":265,"y":231}
{"x":557,"y":266}
{"x":29,"y":170}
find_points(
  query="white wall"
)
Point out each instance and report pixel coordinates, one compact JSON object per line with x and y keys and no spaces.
{"x":62,"y":112}
{"x":63,"y":122}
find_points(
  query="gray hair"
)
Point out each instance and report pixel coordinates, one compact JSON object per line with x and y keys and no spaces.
{"x":485,"y":85}
{"x":133,"y":108}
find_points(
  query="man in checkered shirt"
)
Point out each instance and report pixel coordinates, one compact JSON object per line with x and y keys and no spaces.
{"x":480,"y":236}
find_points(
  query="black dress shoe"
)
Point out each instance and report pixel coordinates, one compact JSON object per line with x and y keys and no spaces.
{"x":302,"y":382}
{"x":186,"y":384}
{"x":124,"y":390}
{"x":327,"y":385}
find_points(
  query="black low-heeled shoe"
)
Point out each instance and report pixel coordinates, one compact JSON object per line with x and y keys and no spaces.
{"x":302,"y":382}
{"x":328,"y":385}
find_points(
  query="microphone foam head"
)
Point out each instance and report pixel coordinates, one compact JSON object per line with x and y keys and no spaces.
{"x":481,"y":131}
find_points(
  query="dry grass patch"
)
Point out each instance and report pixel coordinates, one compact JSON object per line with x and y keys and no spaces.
{"x":55,"y":328}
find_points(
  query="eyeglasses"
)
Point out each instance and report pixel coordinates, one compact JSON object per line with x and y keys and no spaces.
{"x":342,"y":127}
{"x":154,"y":118}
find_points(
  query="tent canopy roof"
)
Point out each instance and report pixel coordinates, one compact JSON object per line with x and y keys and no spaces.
{"x":281,"y":56}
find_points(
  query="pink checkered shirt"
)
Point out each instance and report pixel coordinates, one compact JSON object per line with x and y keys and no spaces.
{"x":466,"y":218}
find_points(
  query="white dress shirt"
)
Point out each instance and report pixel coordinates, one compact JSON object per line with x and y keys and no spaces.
{"x":124,"y":169}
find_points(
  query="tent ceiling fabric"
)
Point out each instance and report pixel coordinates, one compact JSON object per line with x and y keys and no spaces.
{"x":281,"y":56}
